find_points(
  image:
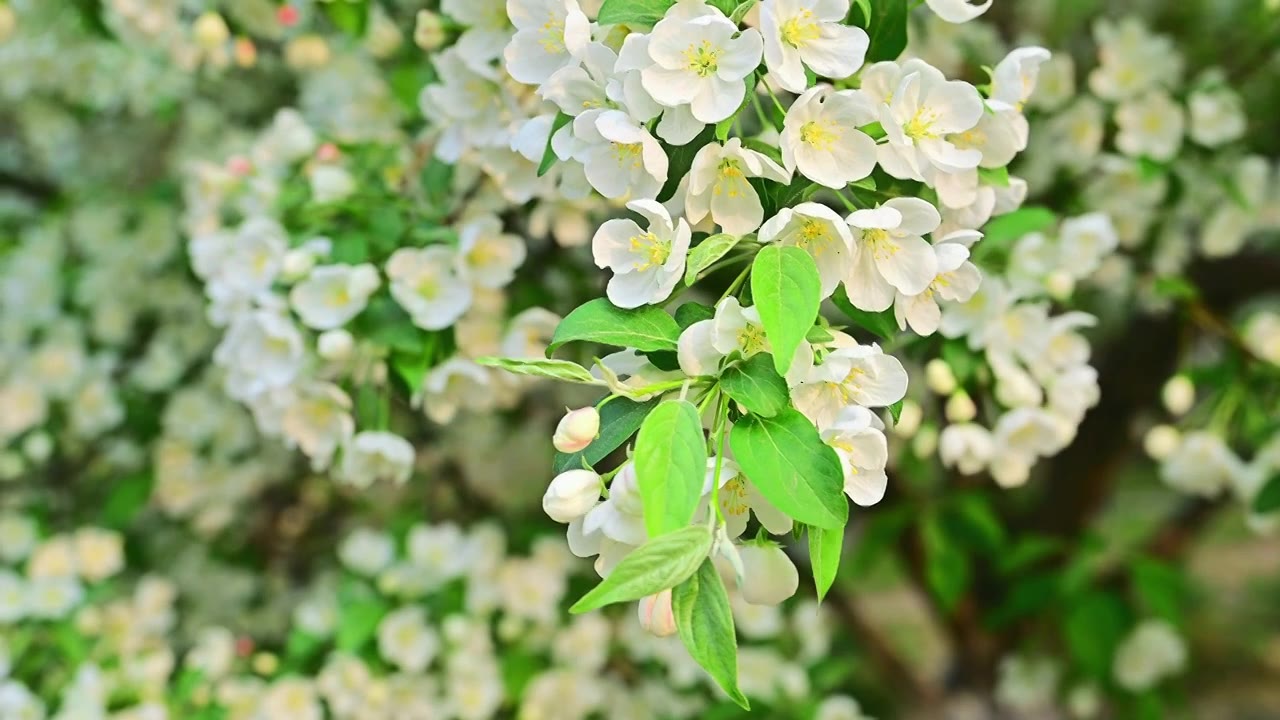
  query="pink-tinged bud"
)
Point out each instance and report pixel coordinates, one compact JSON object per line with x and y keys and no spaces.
{"x":328,"y":152}
{"x":576,"y":430}
{"x":287,"y":15}
{"x":571,"y":494}
{"x":656,"y":616}
{"x":239,"y":165}
{"x":245,"y":52}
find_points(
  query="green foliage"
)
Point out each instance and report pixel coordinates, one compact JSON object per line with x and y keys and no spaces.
{"x":540,"y":367}
{"x":1268,"y":499}
{"x":787,"y":293}
{"x":671,"y":465}
{"x":359,"y":622}
{"x":887,"y":29}
{"x":788,"y":463}
{"x":620,"y":418}
{"x":351,"y":16}
{"x":548,"y":154}
{"x":704,"y":620}
{"x":756,"y":386}
{"x":706,"y":253}
{"x":599,"y":321}
{"x":1095,"y":624}
{"x":680,"y":157}
{"x":661,"y":563}
{"x":633,"y":12}
{"x":947,"y":566}
{"x":1003,"y":230}
{"x":824,"y":555}
{"x":882,"y":324}
{"x":127,"y":498}
{"x":691,"y":312}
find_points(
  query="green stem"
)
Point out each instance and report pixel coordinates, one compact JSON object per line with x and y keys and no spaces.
{"x":722,"y":418}
{"x":733,"y":287}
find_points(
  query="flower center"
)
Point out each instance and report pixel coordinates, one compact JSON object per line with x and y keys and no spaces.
{"x":819,"y":136}
{"x":879,"y":243}
{"x":703,"y":59}
{"x":653,"y":249}
{"x":800,"y":30}
{"x":628,"y":153}
{"x":812,"y":232}
{"x":920,"y":127}
{"x":729,"y":178}
{"x":734,"y":496}
{"x":751,"y":339}
{"x":552,"y":36}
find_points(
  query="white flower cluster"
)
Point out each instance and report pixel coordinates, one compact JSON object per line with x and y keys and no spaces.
{"x":294,"y":346}
{"x":1041,"y":381}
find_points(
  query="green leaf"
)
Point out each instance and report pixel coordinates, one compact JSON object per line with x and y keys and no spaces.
{"x":1268,"y":498}
{"x":787,"y":293}
{"x":680,"y":159}
{"x":1175,"y":287}
{"x":1161,"y":588}
{"x":973,"y":516}
{"x":128,"y":497}
{"x":598,"y":321}
{"x":661,"y":563}
{"x":757,"y":386}
{"x":788,"y":463}
{"x":705,"y":623}
{"x":671,"y":465}
{"x":1093,"y":628}
{"x":947,"y":569}
{"x":539,"y":367}
{"x":706,"y":254}
{"x":962,"y":361}
{"x":1007,"y":228}
{"x":775,"y":195}
{"x":740,"y":12}
{"x":998,"y":177}
{"x":865,"y":7}
{"x":548,"y":155}
{"x":824,"y":556}
{"x":633,"y":12}
{"x":725,"y":6}
{"x":887,"y":29}
{"x":359,"y":623}
{"x":883,"y":324}
{"x":895,"y":411}
{"x":351,"y":17}
{"x":692,"y":312}
{"x":619,"y":420}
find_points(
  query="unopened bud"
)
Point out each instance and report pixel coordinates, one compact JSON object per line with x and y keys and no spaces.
{"x":576,"y":430}
{"x":960,"y":408}
{"x":245,"y":52}
{"x":908,"y":419}
{"x":287,"y":15}
{"x":1179,"y":394}
{"x":297,"y":263}
{"x":8,"y":21}
{"x":335,"y":345}
{"x":307,"y":51}
{"x":37,"y":446}
{"x":938,"y":375}
{"x":210,"y":31}
{"x":768,"y":575}
{"x":1059,"y":284}
{"x":239,"y":165}
{"x":328,"y":152}
{"x":428,"y":33}
{"x":571,"y":494}
{"x":925,"y":442}
{"x":656,"y":615}
{"x":265,"y":663}
{"x":1161,"y":441}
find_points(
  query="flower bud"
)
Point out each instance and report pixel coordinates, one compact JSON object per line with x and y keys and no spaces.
{"x":768,"y":575}
{"x":8,"y":21}
{"x":287,"y":15}
{"x":37,"y":446}
{"x":960,"y":408}
{"x":1161,"y":441}
{"x":335,"y":345}
{"x":306,"y":52}
{"x":908,"y":420}
{"x":925,"y":442}
{"x":576,"y":430}
{"x":210,"y":31}
{"x":1179,"y":394}
{"x":297,"y":263}
{"x":571,"y":494}
{"x":1059,"y":285}
{"x":656,"y":616}
{"x":428,"y":33}
{"x":245,"y":52}
{"x":938,"y":375}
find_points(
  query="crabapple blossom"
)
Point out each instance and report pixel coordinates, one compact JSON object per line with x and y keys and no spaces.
{"x":571,"y":495}
{"x":647,"y":264}
{"x":820,"y":232}
{"x":718,"y":186}
{"x":889,"y":252}
{"x":331,"y":295}
{"x":576,"y":430}
{"x":810,"y":33}
{"x":820,"y":136}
